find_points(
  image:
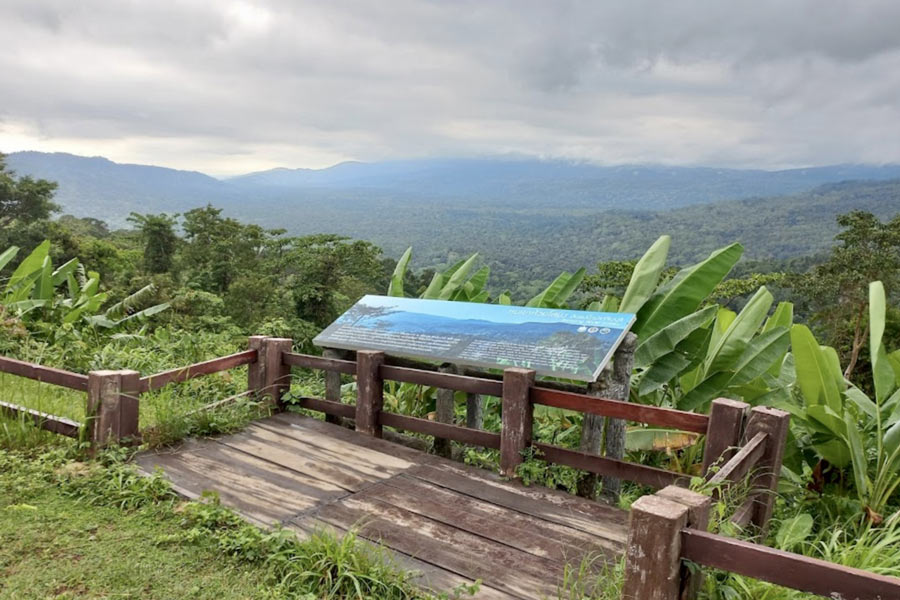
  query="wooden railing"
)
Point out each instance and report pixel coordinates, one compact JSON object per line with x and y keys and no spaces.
{"x":668,"y":530}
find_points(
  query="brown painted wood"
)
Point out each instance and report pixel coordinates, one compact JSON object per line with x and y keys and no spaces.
{"x":653,"y":555}
{"x":111,"y":411}
{"x":277,"y":374}
{"x":336,"y":409}
{"x":506,"y":526}
{"x":67,"y":379}
{"x":256,"y":371}
{"x":741,"y":463}
{"x":370,"y":392}
{"x":445,"y":407}
{"x":52,"y":423}
{"x":786,"y":569}
{"x":643,"y":474}
{"x":425,"y":575}
{"x":474,"y":437}
{"x":333,"y":383}
{"x":726,"y":424}
{"x":518,"y":419}
{"x":154,"y":382}
{"x":507,"y":569}
{"x":665,"y":417}
{"x":595,"y":518}
{"x":699,"y":506}
{"x":775,"y":424}
{"x":444,"y":380}
{"x":744,"y":513}
{"x":308,"y":361}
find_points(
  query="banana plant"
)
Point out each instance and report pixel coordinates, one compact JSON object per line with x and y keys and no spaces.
{"x":67,"y":294}
{"x":453,"y":284}
{"x":844,"y":425}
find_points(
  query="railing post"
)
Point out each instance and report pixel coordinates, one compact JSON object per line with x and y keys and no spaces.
{"x":474,"y":411}
{"x":517,"y":418}
{"x":333,"y":383}
{"x":774,"y":423}
{"x":256,"y":372}
{"x":276,"y":374}
{"x":445,"y":405}
{"x":698,"y":506}
{"x":726,"y":422}
{"x":369,"y":392}
{"x":653,"y":554}
{"x":112,"y":410}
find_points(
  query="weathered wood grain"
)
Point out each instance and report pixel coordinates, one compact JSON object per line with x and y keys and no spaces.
{"x":154,"y":382}
{"x":620,"y":469}
{"x":726,"y":424}
{"x":308,"y":361}
{"x":518,"y":419}
{"x":444,"y":380}
{"x":67,"y":379}
{"x":448,"y":432}
{"x":741,"y":463}
{"x":369,"y":392}
{"x":53,"y":423}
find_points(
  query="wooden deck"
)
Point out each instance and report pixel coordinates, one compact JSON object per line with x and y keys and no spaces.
{"x":452,"y":523}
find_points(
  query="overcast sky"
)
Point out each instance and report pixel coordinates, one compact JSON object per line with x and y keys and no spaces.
{"x":233,"y":86}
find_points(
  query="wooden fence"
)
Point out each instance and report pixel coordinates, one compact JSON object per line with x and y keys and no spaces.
{"x":667,"y":528}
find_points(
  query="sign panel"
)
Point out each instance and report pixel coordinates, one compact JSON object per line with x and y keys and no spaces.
{"x":573,"y":344}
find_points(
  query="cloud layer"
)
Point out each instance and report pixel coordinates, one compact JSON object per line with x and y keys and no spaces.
{"x":234,"y":86}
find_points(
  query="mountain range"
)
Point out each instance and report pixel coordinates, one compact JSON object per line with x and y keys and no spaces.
{"x":530,"y":218}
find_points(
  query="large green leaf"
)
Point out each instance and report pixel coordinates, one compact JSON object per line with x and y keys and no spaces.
{"x":761,"y":353}
{"x":857,"y":457}
{"x":8,"y":255}
{"x":793,"y":531}
{"x":479,"y":280}
{"x":434,"y":288}
{"x":705,"y":391}
{"x":686,"y":291}
{"x":44,"y":289}
{"x":686,"y":356}
{"x":645,"y":276}
{"x":396,"y":286}
{"x":666,"y":339}
{"x":61,"y":274}
{"x":548,"y":296}
{"x":457,"y":278}
{"x":733,"y":342}
{"x":814,"y":376}
{"x":32,"y":264}
{"x":783,"y":316}
{"x":882,"y":372}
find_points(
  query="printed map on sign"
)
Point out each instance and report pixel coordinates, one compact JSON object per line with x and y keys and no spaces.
{"x":574,"y":344}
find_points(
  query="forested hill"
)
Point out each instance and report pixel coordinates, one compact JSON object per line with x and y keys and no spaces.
{"x":528,"y":219}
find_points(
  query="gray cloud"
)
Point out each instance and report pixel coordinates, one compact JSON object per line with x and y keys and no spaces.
{"x":230,"y":86}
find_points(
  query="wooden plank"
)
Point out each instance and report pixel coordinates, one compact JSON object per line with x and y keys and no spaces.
{"x":345,"y":445}
{"x":154,"y":382}
{"x":444,"y":412}
{"x":277,"y":374}
{"x":665,"y":417}
{"x":588,"y":516}
{"x":507,"y":569}
{"x":328,"y":407}
{"x":726,"y":424}
{"x":67,"y":379}
{"x":333,"y":384}
{"x":425,"y":575}
{"x":308,"y":361}
{"x":503,"y":525}
{"x":740,"y":464}
{"x":346,"y":471}
{"x":786,"y":569}
{"x":255,"y":488}
{"x":744,"y":512}
{"x":447,"y":381}
{"x":52,"y":423}
{"x":474,"y":437}
{"x":518,"y":419}
{"x":643,"y":474}
{"x":307,"y":426}
{"x":775,"y":423}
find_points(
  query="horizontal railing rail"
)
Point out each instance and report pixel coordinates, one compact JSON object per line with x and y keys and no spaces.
{"x":740,"y":464}
{"x":48,"y":422}
{"x":209,"y":367}
{"x":786,"y":569}
{"x":59,"y":377}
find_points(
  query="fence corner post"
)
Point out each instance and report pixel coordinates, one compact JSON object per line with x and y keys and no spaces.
{"x":698,"y":506}
{"x":517,"y":418}
{"x":276,"y":375}
{"x":369,"y":392}
{"x":653,"y":551}
{"x":112,"y":412}
{"x":723,"y":435}
{"x":775,"y":423}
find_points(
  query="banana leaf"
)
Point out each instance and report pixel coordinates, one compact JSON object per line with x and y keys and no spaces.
{"x":645,"y":276}
{"x":396,"y":286}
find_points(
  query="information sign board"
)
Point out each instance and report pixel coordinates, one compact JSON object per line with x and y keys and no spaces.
{"x":574,"y":344}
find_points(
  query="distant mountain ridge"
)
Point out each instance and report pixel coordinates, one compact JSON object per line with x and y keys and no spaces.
{"x":100,"y":188}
